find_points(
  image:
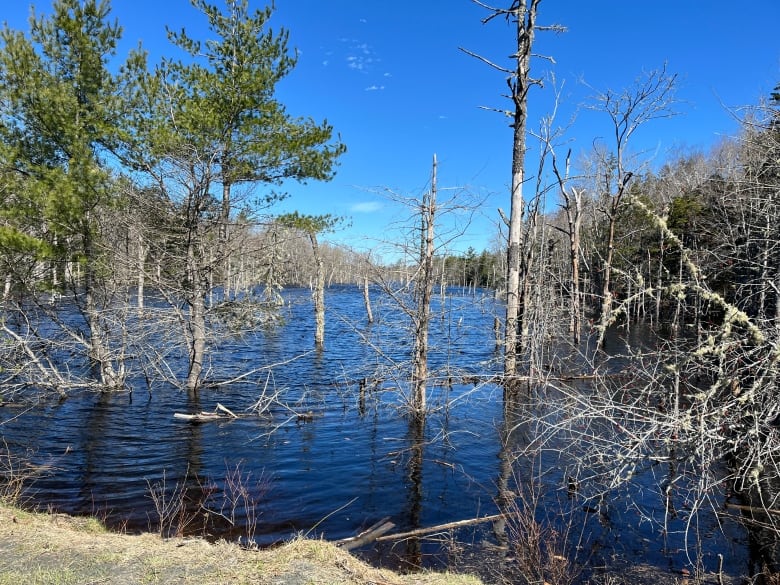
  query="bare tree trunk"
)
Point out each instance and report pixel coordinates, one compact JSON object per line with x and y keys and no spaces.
{"x":572,"y":206}
{"x":659,"y":282}
{"x":764,"y":279}
{"x":523,"y":13}
{"x":223,"y":252}
{"x":424,"y":292}
{"x":140,"y":272}
{"x":367,"y":300}
{"x":196,"y":300}
{"x":110,"y":378}
{"x":318,"y":293}
{"x":573,"y":209}
{"x":197,"y":329}
{"x":520,"y":82}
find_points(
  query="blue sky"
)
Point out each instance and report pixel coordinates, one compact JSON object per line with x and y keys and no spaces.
{"x":389,"y":76}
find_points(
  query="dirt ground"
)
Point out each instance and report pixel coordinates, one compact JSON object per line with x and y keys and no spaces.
{"x":55,"y":549}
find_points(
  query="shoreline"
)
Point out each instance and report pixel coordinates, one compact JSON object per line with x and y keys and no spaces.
{"x":42,"y":548}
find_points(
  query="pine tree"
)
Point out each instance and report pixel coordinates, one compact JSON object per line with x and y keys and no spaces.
{"x":60,"y":120}
{"x":213,"y":122}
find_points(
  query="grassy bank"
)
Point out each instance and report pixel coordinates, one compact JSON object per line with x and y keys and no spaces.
{"x":61,"y":550}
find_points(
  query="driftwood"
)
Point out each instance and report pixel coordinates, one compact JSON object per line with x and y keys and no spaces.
{"x":200,"y":417}
{"x":376,"y":532}
{"x":439,"y":527}
{"x":220,"y":413}
{"x":370,"y":534}
{"x":447,"y":526}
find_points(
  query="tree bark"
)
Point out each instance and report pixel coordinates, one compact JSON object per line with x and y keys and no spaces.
{"x":424,"y":292}
{"x":140,"y":272}
{"x":110,"y":378}
{"x":520,"y":82}
{"x":367,"y":300}
{"x":319,"y":293}
{"x":196,"y":300}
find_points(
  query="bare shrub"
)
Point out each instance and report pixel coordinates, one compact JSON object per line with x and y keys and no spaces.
{"x":540,"y":537}
{"x":240,"y":499}
{"x":173,"y":516}
{"x":205,"y":507}
{"x":16,"y":474}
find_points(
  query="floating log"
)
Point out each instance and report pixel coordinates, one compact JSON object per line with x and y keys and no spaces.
{"x":220,"y":413}
{"x":200,"y":417}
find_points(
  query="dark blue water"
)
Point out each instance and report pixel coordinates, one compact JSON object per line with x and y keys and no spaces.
{"x":352,"y":459}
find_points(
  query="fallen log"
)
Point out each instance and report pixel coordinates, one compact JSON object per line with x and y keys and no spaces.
{"x":220,"y":413}
{"x":439,"y":527}
{"x":369,"y":535}
{"x":200,"y":417}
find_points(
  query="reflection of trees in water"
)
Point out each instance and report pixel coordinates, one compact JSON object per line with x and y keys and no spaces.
{"x":588,"y":474}
{"x":534,"y":532}
{"x":413,"y":558}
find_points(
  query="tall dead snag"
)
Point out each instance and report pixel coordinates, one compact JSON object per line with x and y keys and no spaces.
{"x":572,"y":207}
{"x":311,"y":225}
{"x":423,"y":294}
{"x":519,"y":80}
{"x":435,"y":223}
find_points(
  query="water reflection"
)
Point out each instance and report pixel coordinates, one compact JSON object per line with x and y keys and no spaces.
{"x":413,"y":556}
{"x":359,"y":460}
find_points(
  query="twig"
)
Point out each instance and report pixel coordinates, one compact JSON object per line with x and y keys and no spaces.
{"x":352,"y":501}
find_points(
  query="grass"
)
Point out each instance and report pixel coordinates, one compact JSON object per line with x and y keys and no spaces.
{"x":55,"y":549}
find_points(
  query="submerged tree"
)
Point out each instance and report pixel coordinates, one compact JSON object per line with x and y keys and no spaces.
{"x":214,"y":122}
{"x":423,"y":291}
{"x":519,"y":80}
{"x":312,"y":225}
{"x":61,"y":119}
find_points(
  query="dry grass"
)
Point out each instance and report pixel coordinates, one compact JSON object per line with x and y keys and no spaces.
{"x":60,"y":550}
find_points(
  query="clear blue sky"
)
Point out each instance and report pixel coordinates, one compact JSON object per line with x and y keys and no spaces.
{"x":389,"y":76}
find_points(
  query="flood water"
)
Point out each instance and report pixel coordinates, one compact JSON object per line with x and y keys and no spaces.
{"x":351,"y":459}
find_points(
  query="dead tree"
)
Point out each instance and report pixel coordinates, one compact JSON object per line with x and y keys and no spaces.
{"x":572,"y":207}
{"x":427,"y":234}
{"x":423,"y":293}
{"x":311,"y":226}
{"x":651,"y":98}
{"x":519,"y":81}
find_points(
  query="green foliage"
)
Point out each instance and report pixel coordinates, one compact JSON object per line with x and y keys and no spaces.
{"x":310,"y":224}
{"x":683,"y":213}
{"x":470,"y":269}
{"x":224,"y":105}
{"x":60,"y":119}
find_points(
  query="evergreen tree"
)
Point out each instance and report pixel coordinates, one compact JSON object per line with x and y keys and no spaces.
{"x":60,"y":120}
{"x":212,"y":122}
